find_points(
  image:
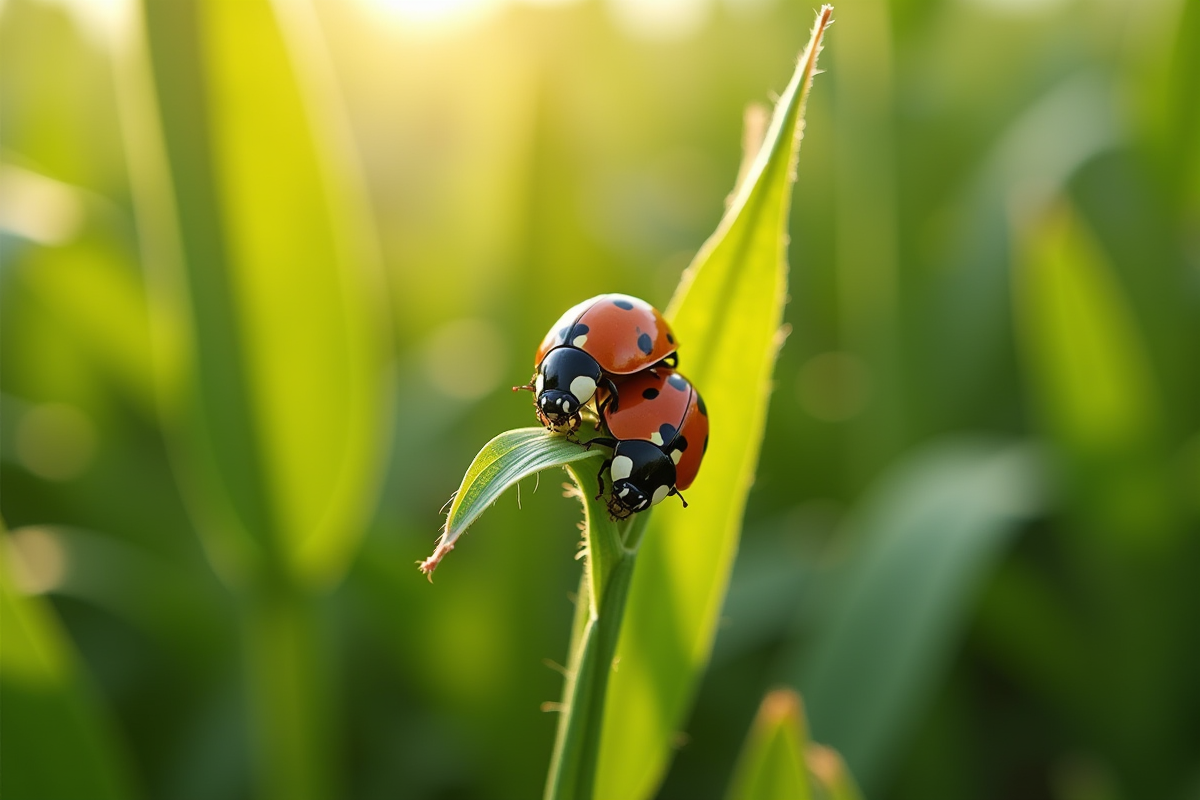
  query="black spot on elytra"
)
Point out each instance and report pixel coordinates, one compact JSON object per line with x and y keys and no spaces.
{"x":645,"y":344}
{"x":677,"y":381}
{"x":700,"y":404}
{"x":579,"y":330}
{"x":625,"y":304}
{"x":666,"y":431}
{"x":562,"y":334}
{"x":681,"y":443}
{"x":705,"y":448}
{"x":650,"y":393}
{"x":670,"y":337}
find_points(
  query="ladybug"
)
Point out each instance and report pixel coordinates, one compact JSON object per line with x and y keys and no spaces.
{"x":659,"y":435}
{"x":594,"y":342}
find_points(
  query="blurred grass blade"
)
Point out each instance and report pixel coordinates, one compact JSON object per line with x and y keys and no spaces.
{"x":502,"y":462}
{"x":268,"y":336}
{"x":727,"y":314}
{"x":268,"y":321}
{"x":924,"y":539}
{"x":773,"y":765}
{"x":57,"y":744}
{"x":1091,"y":381}
{"x":831,"y":779}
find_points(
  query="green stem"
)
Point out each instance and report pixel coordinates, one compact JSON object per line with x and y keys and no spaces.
{"x":603,"y":589}
{"x":288,"y":696}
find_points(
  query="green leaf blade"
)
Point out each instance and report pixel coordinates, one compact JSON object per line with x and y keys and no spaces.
{"x":501,"y":464}
{"x":773,"y":765}
{"x":925,"y":537}
{"x":1091,"y":382}
{"x":264,"y":278}
{"x":727,"y":315}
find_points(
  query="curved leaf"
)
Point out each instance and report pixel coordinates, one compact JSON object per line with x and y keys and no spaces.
{"x":501,"y":463}
{"x":727,"y":313}
{"x":924,"y":539}
{"x":263,"y":273}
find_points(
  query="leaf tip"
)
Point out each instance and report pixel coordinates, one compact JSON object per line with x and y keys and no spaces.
{"x":824,"y":763}
{"x":430,"y":564}
{"x":780,"y":705}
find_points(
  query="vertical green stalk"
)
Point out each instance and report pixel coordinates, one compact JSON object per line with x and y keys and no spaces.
{"x":288,"y":697}
{"x":263,"y":286}
{"x":728,"y":309}
{"x":600,"y":607}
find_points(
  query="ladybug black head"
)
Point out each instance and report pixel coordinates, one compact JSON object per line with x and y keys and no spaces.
{"x":643,"y":476}
{"x":566,"y":380}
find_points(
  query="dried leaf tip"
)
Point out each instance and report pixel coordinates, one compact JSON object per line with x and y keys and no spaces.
{"x":430,"y":564}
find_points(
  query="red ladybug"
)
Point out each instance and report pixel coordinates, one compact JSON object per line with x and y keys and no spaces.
{"x":594,"y":342}
{"x":659,"y":437}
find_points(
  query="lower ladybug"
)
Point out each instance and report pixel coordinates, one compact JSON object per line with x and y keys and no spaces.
{"x":659,"y":434}
{"x":592,"y":344}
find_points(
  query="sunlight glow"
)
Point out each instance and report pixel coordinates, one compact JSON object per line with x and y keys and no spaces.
{"x":1019,"y":7}
{"x":661,"y":19}
{"x":99,"y":19}
{"x":434,"y":16}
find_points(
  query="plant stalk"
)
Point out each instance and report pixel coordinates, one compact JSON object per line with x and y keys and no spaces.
{"x":600,"y":607}
{"x":288,"y":695}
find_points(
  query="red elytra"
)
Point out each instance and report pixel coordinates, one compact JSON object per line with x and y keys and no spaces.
{"x":623,"y":333}
{"x":663,"y":407}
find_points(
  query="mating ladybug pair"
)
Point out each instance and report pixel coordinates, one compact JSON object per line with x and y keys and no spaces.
{"x":618,"y":354}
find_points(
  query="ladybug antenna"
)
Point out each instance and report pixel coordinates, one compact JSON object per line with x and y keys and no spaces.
{"x":680,"y":495}
{"x":527,"y":388}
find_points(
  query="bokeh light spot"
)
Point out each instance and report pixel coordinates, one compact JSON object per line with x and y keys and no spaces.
{"x":38,"y":208}
{"x":39,"y":559}
{"x":55,"y":441}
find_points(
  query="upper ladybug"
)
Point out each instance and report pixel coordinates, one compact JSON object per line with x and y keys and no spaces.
{"x":608,"y":335}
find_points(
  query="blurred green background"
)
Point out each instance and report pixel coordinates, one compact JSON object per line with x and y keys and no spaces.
{"x":269,"y":275}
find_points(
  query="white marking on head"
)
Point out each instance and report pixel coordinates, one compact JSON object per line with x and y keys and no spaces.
{"x":624,"y":492}
{"x":540,"y":383}
{"x":621,"y":467}
{"x":676,"y":455}
{"x":583,"y":388}
{"x":580,"y":341}
{"x":656,"y":437}
{"x":660,"y":494}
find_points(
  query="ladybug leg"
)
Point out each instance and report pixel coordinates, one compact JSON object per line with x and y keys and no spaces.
{"x":679,"y":494}
{"x":600,"y":476}
{"x":600,"y":441}
{"x":617,"y":513}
